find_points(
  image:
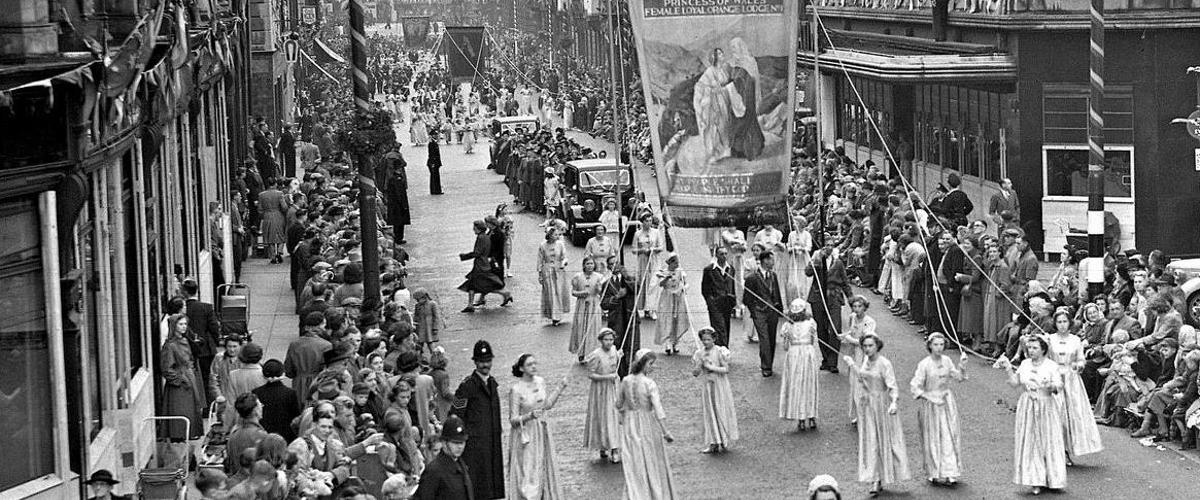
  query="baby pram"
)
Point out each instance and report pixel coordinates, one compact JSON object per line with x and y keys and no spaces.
{"x":165,"y":477}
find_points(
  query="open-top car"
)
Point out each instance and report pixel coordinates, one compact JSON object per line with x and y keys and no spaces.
{"x":1187,"y":274}
{"x":593,"y":180}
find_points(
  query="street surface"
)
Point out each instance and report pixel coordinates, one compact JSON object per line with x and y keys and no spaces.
{"x":770,"y":461}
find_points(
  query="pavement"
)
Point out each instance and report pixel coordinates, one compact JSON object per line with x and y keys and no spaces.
{"x":770,"y":461}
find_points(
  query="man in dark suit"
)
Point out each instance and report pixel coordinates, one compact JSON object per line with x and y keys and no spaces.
{"x":765,"y":303}
{"x":956,"y":206}
{"x":716,"y":286}
{"x":246,"y":434}
{"x":306,"y":355}
{"x":279,"y":403}
{"x":477,"y":402}
{"x":826,"y":297}
{"x":617,"y":300}
{"x":205,"y":327}
{"x":448,"y":477}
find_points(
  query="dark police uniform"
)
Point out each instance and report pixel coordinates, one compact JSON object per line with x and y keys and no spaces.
{"x":445,"y":479}
{"x":478,"y":403}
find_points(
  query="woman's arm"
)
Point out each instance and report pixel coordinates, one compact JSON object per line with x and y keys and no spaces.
{"x":515,"y":418}
{"x":553,"y":399}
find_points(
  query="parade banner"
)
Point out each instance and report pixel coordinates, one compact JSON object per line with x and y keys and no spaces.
{"x":466,"y":52}
{"x":416,"y":29}
{"x":719,"y":78}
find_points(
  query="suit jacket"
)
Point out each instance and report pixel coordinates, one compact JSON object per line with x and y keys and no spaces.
{"x":245,"y":435}
{"x":445,"y":479}
{"x":478,"y":403}
{"x":1024,"y":271}
{"x":280,"y":407}
{"x":831,"y":280}
{"x":999,"y":204}
{"x":1126,"y":323}
{"x":305,"y":359}
{"x":762,"y":294}
{"x":717,"y":287}
{"x":203,"y":322}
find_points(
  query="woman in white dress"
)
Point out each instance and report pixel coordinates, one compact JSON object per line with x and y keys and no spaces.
{"x":532,"y":473}
{"x":882,"y":458}
{"x":798,"y":395}
{"x":1066,"y":349}
{"x":859,"y":326}
{"x":937,"y":411}
{"x":711,"y":104}
{"x":648,"y":245}
{"x":602,"y":428}
{"x":799,"y":252}
{"x":552,"y":275}
{"x":599,"y":248}
{"x":418,"y":131}
{"x":585,"y":287}
{"x":1039,"y":452}
{"x":672,"y":304}
{"x":644,"y":433}
{"x":711,"y":363}
{"x":468,"y":136}
{"x":568,"y":114}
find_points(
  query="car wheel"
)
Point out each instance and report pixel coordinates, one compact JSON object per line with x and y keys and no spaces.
{"x":1193,"y":309}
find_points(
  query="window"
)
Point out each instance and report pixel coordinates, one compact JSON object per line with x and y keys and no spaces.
{"x":960,"y":129}
{"x":1066,"y":171}
{"x":27,"y":426}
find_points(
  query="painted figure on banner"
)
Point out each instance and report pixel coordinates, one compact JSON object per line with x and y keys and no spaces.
{"x":712,"y":102}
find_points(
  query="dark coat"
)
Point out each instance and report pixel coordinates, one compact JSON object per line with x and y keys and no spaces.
{"x":762,"y":295}
{"x":445,"y":479}
{"x":396,"y":193}
{"x":435,"y":155}
{"x":831,"y":280}
{"x":478,"y":404}
{"x":245,"y":435}
{"x":617,"y":300}
{"x":305,"y":359}
{"x":280,"y":407}
{"x":182,"y":394}
{"x":717,"y":288}
{"x":203,"y":322}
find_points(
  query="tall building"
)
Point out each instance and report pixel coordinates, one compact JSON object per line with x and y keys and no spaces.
{"x":1000,"y":90}
{"x":113,"y":124}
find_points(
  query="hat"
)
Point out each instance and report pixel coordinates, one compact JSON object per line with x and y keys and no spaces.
{"x":798,"y":306}
{"x":351,"y":301}
{"x":822,"y":480}
{"x":321,"y":266}
{"x":341,"y":351}
{"x":342,"y":262}
{"x":548,"y":170}
{"x":250,"y":353}
{"x":483,"y":351}
{"x":408,"y":361}
{"x":101,"y":476}
{"x":453,"y":429}
{"x":1012,"y":231}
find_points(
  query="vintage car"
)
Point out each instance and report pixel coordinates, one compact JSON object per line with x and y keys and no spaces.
{"x":527,"y":122}
{"x":1187,"y":274}
{"x":594,"y":180}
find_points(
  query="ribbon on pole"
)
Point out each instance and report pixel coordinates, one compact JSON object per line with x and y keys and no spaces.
{"x":365,"y":164}
{"x":1095,"y":128}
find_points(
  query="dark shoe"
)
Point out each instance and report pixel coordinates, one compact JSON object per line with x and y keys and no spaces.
{"x":833,"y":369}
{"x":767,"y":373}
{"x":507,"y":300}
{"x":468,"y":309}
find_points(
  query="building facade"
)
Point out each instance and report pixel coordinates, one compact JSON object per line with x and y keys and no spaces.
{"x":110,"y":171}
{"x":1000,"y":90}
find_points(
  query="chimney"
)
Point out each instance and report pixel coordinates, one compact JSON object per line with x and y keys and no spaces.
{"x":26,"y":31}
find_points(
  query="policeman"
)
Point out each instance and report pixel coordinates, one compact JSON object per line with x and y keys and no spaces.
{"x":477,"y":402}
{"x":447,"y":477}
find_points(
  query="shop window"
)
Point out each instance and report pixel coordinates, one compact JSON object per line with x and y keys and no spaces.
{"x":26,"y":425}
{"x":1066,"y":171}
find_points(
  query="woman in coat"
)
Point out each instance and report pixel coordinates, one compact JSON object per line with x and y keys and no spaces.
{"x":997,"y":310}
{"x":398,"y":213}
{"x":644,"y":433}
{"x":882,"y":458}
{"x":272,"y":205}
{"x":552,"y":275}
{"x":481,"y":279}
{"x":937,"y":411}
{"x":434,"y":163}
{"x":183,"y":394}
{"x":970,"y":281}
{"x":602,"y":428}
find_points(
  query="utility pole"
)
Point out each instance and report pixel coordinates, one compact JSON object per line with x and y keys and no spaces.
{"x":367,"y":219}
{"x":1095,"y":130}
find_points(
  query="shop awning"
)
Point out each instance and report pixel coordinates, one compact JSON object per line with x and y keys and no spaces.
{"x":323,"y":52}
{"x":43,"y":75}
{"x":919,"y":67}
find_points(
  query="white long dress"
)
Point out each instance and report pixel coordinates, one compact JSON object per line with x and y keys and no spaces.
{"x":712,"y":106}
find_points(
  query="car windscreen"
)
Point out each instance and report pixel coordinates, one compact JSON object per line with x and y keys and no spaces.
{"x":603,"y":180}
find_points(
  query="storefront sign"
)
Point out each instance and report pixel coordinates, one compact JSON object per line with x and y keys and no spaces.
{"x":720,"y":86}
{"x":1198,"y":159}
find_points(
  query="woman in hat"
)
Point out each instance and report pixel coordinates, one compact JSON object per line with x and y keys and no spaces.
{"x":937,"y":411}
{"x":1039,"y":451}
{"x":183,"y":394}
{"x":711,"y":362}
{"x":244,"y":378}
{"x":101,"y":483}
{"x":585,"y":287}
{"x":672,"y":303}
{"x":798,"y":391}
{"x":644,"y":433}
{"x":552,"y":263}
{"x":882,"y":458}
{"x":648,"y":245}
{"x":531,"y":470}
{"x":602,"y":428}
{"x":599,"y":248}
